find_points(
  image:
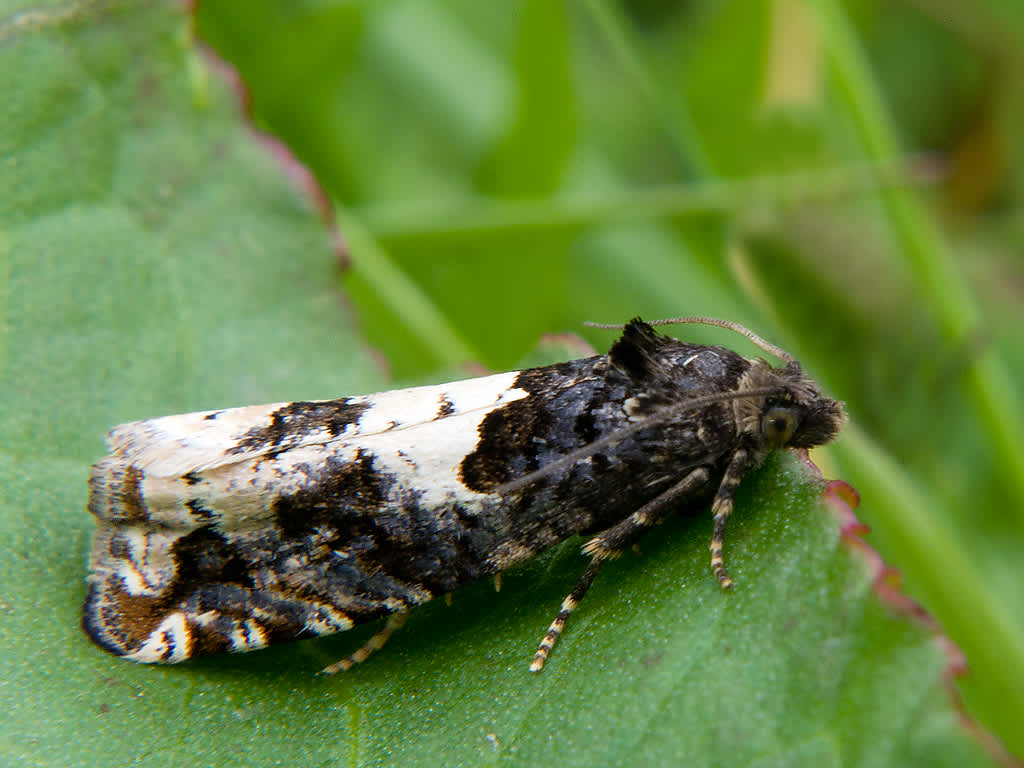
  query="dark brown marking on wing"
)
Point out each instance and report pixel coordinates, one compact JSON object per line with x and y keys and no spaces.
{"x":199,"y":510}
{"x":115,"y":492}
{"x":118,"y":621}
{"x":293,"y":421}
{"x":339,"y":490}
{"x":445,"y":408}
{"x":205,"y":556}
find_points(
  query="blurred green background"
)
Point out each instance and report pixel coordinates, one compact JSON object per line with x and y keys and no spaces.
{"x":844,"y":178}
{"x":847,"y":178}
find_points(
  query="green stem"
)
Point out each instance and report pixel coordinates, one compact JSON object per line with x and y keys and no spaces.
{"x":674,"y":200}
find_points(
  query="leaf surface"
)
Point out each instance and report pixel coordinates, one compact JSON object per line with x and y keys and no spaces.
{"x":157,"y":259}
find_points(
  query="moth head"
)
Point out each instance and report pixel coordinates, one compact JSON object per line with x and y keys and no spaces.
{"x":783,"y":407}
{"x":800,"y":415}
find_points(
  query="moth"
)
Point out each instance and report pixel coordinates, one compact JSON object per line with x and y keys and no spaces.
{"x":229,"y":530}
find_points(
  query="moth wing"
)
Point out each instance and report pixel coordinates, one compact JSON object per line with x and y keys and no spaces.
{"x":182,"y":496}
{"x":194,"y":442}
{"x":176,"y":445}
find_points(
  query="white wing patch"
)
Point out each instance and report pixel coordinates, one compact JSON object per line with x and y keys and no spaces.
{"x":182,"y":472}
{"x":169,"y":643}
{"x":176,"y":445}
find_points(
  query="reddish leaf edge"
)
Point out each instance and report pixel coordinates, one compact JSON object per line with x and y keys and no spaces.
{"x":842,"y":499}
{"x":302,"y":178}
{"x":576,"y":344}
{"x":300,"y":174}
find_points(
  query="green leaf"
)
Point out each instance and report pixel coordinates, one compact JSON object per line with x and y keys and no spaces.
{"x":157,"y":259}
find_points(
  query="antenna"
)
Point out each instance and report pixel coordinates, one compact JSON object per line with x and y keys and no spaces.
{"x":767,"y":346}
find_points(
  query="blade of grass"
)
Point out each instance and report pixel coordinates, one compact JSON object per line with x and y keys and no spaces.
{"x":926,"y":251}
{"x":617,"y":31}
{"x":419,"y":313}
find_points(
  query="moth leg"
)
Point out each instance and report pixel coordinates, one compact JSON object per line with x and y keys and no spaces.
{"x":609,"y":543}
{"x":722,"y":508}
{"x":375,"y":643}
{"x":568,"y":606}
{"x":612,"y":541}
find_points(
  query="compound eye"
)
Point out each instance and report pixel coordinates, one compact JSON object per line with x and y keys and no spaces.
{"x":778,"y":425}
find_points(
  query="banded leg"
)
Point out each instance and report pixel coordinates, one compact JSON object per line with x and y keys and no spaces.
{"x":568,"y":606}
{"x":609,"y":543}
{"x":722,"y":508}
{"x":375,"y":643}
